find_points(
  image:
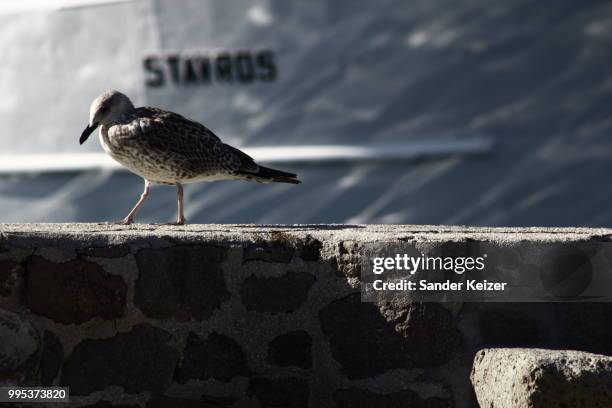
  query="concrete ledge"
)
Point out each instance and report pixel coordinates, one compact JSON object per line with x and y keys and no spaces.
{"x":340,"y":231}
{"x":255,"y":315}
{"x":537,"y":378}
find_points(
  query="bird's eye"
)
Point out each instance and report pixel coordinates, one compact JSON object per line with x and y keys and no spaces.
{"x":103,"y":109}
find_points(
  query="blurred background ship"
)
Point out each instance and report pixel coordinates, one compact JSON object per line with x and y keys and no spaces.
{"x":397,"y":111}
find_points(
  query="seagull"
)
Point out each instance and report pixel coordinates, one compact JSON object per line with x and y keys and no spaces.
{"x":164,"y":147}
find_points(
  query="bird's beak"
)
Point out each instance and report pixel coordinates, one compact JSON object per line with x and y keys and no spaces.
{"x":88,"y":131}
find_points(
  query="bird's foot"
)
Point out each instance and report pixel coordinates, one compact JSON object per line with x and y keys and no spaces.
{"x":125,"y":221}
{"x":178,"y":222}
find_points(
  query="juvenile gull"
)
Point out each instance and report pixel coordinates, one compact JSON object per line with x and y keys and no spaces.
{"x":165,"y":147}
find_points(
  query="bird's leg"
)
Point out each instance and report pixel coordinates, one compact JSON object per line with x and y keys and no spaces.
{"x":181,"y":216}
{"x":130,"y":217}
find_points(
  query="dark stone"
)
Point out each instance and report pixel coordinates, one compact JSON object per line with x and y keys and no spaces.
{"x":348,"y":260}
{"x":310,"y":249}
{"x":51,"y":359}
{"x":161,"y":401}
{"x":182,"y":282}
{"x":73,"y":292}
{"x":507,"y":257}
{"x":357,"y":397}
{"x":281,"y":247}
{"x":503,"y":263}
{"x":281,"y":392}
{"x":276,"y":294}
{"x":361,"y":340}
{"x":107,"y":404}
{"x":566,"y":272}
{"x":508,"y":328}
{"x":428,"y":328}
{"x":585,"y":327}
{"x":111,"y":251}
{"x":9,"y":274}
{"x":291,"y":349}
{"x":368,"y":341}
{"x":212,"y":401}
{"x":19,"y":344}
{"x":139,"y":360}
{"x":273,"y":251}
{"x":218,"y":357}
{"x":453,"y":249}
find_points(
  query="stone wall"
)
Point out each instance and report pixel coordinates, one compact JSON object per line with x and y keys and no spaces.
{"x":251,"y":315}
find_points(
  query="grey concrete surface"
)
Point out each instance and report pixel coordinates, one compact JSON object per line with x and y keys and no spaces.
{"x":363,"y":233}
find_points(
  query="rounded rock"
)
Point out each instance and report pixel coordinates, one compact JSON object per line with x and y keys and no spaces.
{"x":20,"y":341}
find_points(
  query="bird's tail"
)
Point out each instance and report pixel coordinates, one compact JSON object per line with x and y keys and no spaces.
{"x":266,"y":174}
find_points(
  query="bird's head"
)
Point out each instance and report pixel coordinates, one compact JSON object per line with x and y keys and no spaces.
{"x":106,"y":109}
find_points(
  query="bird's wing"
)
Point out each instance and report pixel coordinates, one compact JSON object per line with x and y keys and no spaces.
{"x":193,"y":145}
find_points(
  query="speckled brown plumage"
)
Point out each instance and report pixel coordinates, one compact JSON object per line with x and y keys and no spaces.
{"x":166,"y":147}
